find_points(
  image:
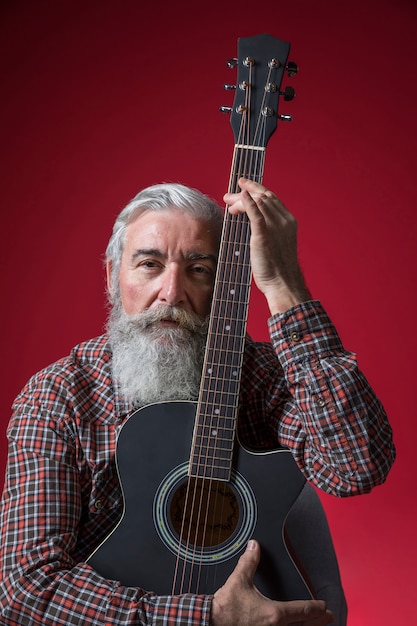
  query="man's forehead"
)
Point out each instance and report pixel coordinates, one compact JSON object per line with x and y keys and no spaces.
{"x":154,"y":230}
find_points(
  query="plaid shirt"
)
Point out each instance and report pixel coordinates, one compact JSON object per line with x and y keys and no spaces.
{"x":62,"y":496}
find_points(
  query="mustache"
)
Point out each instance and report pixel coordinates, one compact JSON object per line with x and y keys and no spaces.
{"x":164,"y":312}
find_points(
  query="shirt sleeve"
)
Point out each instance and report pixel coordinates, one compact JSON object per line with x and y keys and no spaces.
{"x":42,"y":580}
{"x":320,"y":404}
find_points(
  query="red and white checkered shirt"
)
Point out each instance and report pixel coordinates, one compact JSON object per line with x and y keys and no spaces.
{"x":62,"y":495}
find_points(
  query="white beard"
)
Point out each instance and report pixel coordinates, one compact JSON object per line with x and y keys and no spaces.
{"x":153,"y":363}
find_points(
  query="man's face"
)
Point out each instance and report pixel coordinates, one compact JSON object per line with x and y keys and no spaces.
{"x":169,"y":258}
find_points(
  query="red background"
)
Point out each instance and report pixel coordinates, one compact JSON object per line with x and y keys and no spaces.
{"x":101,"y":98}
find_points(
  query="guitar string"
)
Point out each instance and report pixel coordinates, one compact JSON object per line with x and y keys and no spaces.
{"x":208,"y":432}
{"x":198,"y":463}
{"x":234,"y":237}
{"x":207,"y":429}
{"x":240,"y":224}
{"x":240,"y":170}
{"x":215,"y":536}
{"x":231,"y":221}
{"x":208,"y":492}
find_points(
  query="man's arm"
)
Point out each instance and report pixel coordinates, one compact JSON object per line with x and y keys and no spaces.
{"x":327,"y":414}
{"x":332,"y":419}
{"x":44,"y":578}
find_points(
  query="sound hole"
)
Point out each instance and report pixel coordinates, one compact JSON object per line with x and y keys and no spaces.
{"x":203,"y":512}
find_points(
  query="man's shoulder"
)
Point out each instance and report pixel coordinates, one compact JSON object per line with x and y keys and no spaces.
{"x":90,"y":352}
{"x":75,"y":388}
{"x":90,"y":358}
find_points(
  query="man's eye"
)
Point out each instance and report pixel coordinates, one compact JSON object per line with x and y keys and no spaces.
{"x":148,"y":264}
{"x":201,"y":269}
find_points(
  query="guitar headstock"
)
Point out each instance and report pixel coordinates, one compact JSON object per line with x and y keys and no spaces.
{"x":261,"y":63}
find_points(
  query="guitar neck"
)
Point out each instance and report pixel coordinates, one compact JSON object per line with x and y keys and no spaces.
{"x":254,"y":119}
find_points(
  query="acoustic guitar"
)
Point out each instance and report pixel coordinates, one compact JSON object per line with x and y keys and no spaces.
{"x":193,"y":495}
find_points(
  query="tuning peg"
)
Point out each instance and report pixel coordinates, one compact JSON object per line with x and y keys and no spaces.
{"x":232,"y":63}
{"x":226,"y":109}
{"x":288,"y":93}
{"x":229,"y":87}
{"x":291,"y":68}
{"x":285,"y":118}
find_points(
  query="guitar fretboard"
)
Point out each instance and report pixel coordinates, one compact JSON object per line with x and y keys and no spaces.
{"x":214,"y":433}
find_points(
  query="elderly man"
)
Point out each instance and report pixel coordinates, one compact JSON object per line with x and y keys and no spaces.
{"x":62,"y":495}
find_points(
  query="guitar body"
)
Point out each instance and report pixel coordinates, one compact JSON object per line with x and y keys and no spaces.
{"x":151,"y":547}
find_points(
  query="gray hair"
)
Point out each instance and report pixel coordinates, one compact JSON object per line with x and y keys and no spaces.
{"x":159,"y":198}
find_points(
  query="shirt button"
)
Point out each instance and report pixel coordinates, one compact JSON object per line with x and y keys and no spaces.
{"x":295,"y":336}
{"x":321,"y":401}
{"x":98,"y":504}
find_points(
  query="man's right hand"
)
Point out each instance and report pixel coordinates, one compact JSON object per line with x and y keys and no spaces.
{"x":239,"y":602}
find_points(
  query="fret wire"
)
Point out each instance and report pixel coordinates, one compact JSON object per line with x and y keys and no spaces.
{"x":220,"y":400}
{"x":221,"y":460}
{"x":217,"y":462}
{"x":211,"y":391}
{"x":211,"y":452}
{"x":228,"y":334}
{"x":212,"y":472}
{"x":225,"y":405}
{"x":202,"y":442}
{"x":220,"y":475}
{"x":223,"y":428}
{"x":232,"y":378}
{"x":222,"y":443}
{"x":212,"y":456}
{"x":225,"y":309}
{"x":235,"y":343}
{"x":221,"y":448}
{"x":217,"y":472}
{"x":224,"y":370}
{"x":231,"y":302}
{"x":219,"y":452}
{"x":223,"y":435}
{"x":215,"y":432}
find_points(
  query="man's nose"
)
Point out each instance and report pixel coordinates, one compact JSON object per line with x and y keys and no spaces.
{"x":172,"y":290}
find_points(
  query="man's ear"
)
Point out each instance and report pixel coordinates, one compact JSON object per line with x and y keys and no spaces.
{"x":108,"y":278}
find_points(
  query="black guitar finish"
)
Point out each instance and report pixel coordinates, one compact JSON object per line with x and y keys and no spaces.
{"x":152,"y":457}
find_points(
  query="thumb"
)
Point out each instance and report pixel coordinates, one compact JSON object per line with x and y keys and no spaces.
{"x":249,"y":561}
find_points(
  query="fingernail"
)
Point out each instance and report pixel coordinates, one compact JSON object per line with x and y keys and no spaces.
{"x":251,"y":545}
